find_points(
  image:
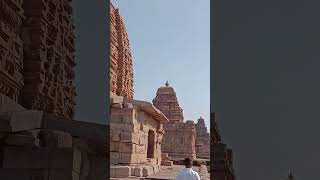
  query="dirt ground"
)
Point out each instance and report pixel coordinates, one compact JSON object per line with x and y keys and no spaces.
{"x":170,"y":172}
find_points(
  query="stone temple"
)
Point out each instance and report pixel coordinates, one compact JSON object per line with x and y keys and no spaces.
{"x":179,"y":138}
{"x":202,"y":140}
{"x":38,"y":137}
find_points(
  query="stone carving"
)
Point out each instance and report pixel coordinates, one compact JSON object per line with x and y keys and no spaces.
{"x":49,"y":61}
{"x":121,"y":67}
{"x":11,"y":52}
{"x":179,"y":138}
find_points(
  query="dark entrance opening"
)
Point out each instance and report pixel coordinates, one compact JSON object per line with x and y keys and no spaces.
{"x":151,"y":144}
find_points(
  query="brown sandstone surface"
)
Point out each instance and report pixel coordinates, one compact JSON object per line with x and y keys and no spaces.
{"x":121,"y":66}
{"x":49,"y":61}
{"x":11,"y":48}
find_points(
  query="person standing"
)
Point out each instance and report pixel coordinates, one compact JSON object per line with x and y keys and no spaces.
{"x":188,"y":173}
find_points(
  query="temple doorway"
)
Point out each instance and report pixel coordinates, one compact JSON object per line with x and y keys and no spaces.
{"x":151,"y":144}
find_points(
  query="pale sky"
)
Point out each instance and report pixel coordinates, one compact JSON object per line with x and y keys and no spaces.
{"x":170,"y":41}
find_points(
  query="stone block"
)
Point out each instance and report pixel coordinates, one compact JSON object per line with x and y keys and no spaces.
{"x":115,"y":147}
{"x":115,"y":135}
{"x":156,"y":168}
{"x":114,"y":157}
{"x":147,"y":171}
{"x":112,"y":172}
{"x":140,"y":149}
{"x":22,"y":140}
{"x":123,"y":171}
{"x":126,"y":137}
{"x":137,"y":171}
{"x":127,"y":148}
{"x":53,"y":138}
{"x":116,"y":99}
{"x":167,"y":163}
{"x":118,"y":105}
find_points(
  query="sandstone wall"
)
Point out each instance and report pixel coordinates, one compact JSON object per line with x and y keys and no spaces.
{"x":179,"y":140}
{"x":49,"y":60}
{"x":121,"y":66}
{"x":129,"y":130}
{"x":11,"y":48}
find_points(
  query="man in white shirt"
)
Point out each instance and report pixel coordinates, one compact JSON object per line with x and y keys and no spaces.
{"x":188,"y":173}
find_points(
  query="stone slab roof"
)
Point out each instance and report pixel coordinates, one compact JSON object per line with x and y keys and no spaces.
{"x":143,"y":105}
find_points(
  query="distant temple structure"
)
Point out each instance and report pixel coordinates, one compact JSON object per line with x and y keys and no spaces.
{"x":179,"y":139}
{"x":202,"y":140}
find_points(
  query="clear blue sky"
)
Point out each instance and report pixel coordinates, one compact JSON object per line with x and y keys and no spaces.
{"x":170,"y":40}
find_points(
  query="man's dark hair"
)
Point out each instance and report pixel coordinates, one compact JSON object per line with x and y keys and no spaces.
{"x":187,"y":161}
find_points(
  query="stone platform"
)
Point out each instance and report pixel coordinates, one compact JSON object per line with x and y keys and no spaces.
{"x":133,"y":171}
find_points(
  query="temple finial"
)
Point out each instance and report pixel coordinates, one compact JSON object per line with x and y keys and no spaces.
{"x":167,"y":84}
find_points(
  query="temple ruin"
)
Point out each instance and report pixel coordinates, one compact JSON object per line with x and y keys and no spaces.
{"x":38,"y":137}
{"x":180,"y":136}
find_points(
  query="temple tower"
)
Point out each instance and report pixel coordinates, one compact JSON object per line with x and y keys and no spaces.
{"x":121,"y":66}
{"x":202,"y":139}
{"x":179,"y":138}
{"x":166,"y":101}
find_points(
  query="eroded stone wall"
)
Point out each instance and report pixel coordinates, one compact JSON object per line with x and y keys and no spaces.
{"x":49,"y":60}
{"x":11,"y":48}
{"x":179,"y":140}
{"x":121,"y":66}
